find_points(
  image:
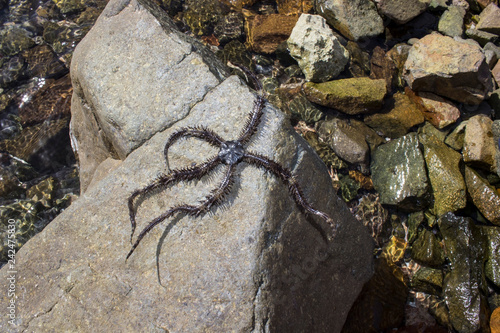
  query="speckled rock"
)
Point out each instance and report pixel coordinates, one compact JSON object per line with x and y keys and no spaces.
{"x":495,"y":128}
{"x":453,"y":68}
{"x":439,"y":111}
{"x":464,"y":287}
{"x":479,"y":145}
{"x":318,"y":52}
{"x":398,"y":120}
{"x":194,"y":273}
{"x":456,"y":138}
{"x":448,"y":186}
{"x":398,"y":173}
{"x":492,"y":266}
{"x":355,"y":20}
{"x":266,"y":32}
{"x":489,"y":19}
{"x":352,"y":96}
{"x":451,"y":22}
{"x":484,"y":196}
{"x":402,"y":11}
{"x":346,"y":142}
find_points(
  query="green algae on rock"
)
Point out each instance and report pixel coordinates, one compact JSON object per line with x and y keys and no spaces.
{"x":399,"y":174}
{"x":352,"y":96}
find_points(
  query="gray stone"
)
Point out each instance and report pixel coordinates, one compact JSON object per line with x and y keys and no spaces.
{"x":109,"y":90}
{"x":355,"y":19}
{"x":399,"y":175}
{"x":483,"y":195}
{"x":492,"y":47}
{"x":495,"y":129}
{"x":454,"y":68}
{"x":346,"y":141}
{"x":456,"y":138}
{"x":255,"y":264}
{"x":318,"y":52}
{"x":451,"y":22}
{"x":402,"y":11}
{"x":492,"y":266}
{"x":482,"y":37}
{"x":489,"y":19}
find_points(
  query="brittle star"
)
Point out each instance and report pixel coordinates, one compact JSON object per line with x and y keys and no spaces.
{"x":231,"y":153}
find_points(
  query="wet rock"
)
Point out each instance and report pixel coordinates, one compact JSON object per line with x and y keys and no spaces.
{"x":479,"y":145}
{"x":81,"y":254}
{"x":318,"y":52}
{"x":398,"y":173}
{"x":355,"y":20}
{"x":427,"y":250}
{"x":402,"y":12}
{"x":435,"y":65}
{"x":70,"y":6}
{"x":43,"y":62}
{"x":428,"y":280}
{"x":448,"y":186}
{"x":456,"y":138}
{"x":202,"y":15}
{"x":288,"y":7}
{"x":345,"y":141}
{"x":489,"y":19}
{"x":414,"y":221}
{"x":300,"y":107}
{"x":229,"y":27}
{"x":484,"y":196}
{"x":399,"y":118}
{"x":359,"y":64}
{"x":451,"y":22}
{"x":439,"y":111}
{"x":325,"y":152}
{"x":372,"y":138}
{"x":348,"y":188}
{"x":464,"y":287}
{"x":492,"y":266}
{"x":266,"y":32}
{"x":430,"y":132}
{"x":399,"y":54}
{"x":352,"y":96}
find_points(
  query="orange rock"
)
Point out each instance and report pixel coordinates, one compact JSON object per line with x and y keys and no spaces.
{"x":495,"y":321}
{"x":266,"y":32}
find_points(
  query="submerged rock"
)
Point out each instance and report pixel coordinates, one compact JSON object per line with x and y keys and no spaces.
{"x":269,"y":271}
{"x":454,"y":68}
{"x":266,"y":32}
{"x":318,"y":52}
{"x":399,"y":174}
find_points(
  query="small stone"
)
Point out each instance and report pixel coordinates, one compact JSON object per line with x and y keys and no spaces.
{"x":484,"y":196}
{"x":399,"y":174}
{"x":439,"y":111}
{"x":454,"y":68}
{"x":495,"y":321}
{"x":398,"y":120}
{"x":402,"y":11}
{"x":318,"y":52}
{"x":452,"y":21}
{"x":492,"y":47}
{"x":355,"y":19}
{"x":352,"y":96}
{"x":266,"y":32}
{"x":14,"y":40}
{"x":428,"y":280}
{"x":456,"y":138}
{"x":359,"y":64}
{"x":489,"y":19}
{"x":448,"y":186}
{"x":496,"y":72}
{"x":382,"y":67}
{"x":479,"y":146}
{"x":427,"y":250}
{"x":482,"y":37}
{"x":70,"y":6}
{"x":491,"y":58}
{"x":399,"y":54}
{"x":345,"y":141}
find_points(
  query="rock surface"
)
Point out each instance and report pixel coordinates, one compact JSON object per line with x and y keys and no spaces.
{"x":484,"y":196}
{"x":453,"y":68}
{"x":356,"y":19}
{"x":402,"y":11}
{"x":479,"y":145}
{"x":352,"y":96}
{"x":489,"y":20}
{"x":266,"y":32}
{"x":406,"y":184}
{"x":451,"y":22}
{"x":256,"y":265}
{"x":318,"y":52}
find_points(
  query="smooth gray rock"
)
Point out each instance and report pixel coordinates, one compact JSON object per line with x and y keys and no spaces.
{"x":255,"y":264}
{"x":402,"y":11}
{"x":118,"y":103}
{"x":450,"y":67}
{"x":316,"y":49}
{"x":355,"y":19}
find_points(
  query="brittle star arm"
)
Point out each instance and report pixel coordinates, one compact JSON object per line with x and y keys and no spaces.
{"x":199,"y":132}
{"x":214,"y":198}
{"x":287,"y":177}
{"x":196,"y":172}
{"x":252,"y":121}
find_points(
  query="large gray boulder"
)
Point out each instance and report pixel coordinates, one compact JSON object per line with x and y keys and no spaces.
{"x":254,"y":265}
